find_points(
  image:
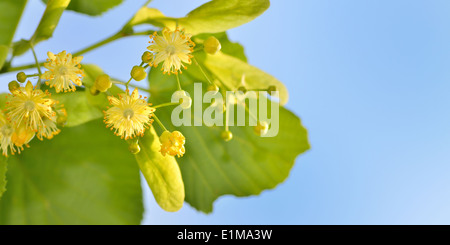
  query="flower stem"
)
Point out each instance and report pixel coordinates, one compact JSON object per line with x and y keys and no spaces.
{"x":117,"y":81}
{"x":103,"y":42}
{"x":159,"y":122}
{"x":178,"y":82}
{"x":38,"y":65}
{"x":201,"y":69}
{"x":165,"y":104}
{"x":126,"y":84}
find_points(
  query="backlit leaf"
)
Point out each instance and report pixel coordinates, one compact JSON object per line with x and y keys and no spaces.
{"x":161,"y":172}
{"x":212,"y":17}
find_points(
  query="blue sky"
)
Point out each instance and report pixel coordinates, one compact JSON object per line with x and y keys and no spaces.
{"x":370,"y":81}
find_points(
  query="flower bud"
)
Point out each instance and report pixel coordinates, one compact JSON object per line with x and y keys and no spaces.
{"x":261,"y":128}
{"x":211,"y":45}
{"x":21,"y":77}
{"x":94,"y":91}
{"x":13,"y":86}
{"x":242,"y":89}
{"x":147,"y":57}
{"x":183,"y":99}
{"x":271,"y":89}
{"x":138,"y":73}
{"x":226,"y":135}
{"x":103,"y":83}
{"x":186,"y":103}
{"x":212,"y":87}
{"x":134,"y":148}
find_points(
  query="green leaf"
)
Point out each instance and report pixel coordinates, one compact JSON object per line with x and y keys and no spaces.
{"x":78,"y":107}
{"x":162,"y":173}
{"x":84,"y":175}
{"x":246,"y":165}
{"x":212,"y":17}
{"x":9,"y":19}
{"x":3,"y":54}
{"x":93,"y":7}
{"x":3,"y":169}
{"x":49,"y":20}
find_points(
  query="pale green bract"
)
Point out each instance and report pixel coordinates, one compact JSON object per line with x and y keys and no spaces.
{"x":9,"y":19}
{"x":161,"y":172}
{"x":46,"y":27}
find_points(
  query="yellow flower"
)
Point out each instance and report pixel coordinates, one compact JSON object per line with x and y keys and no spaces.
{"x":129,"y":115}
{"x":22,"y":135}
{"x":29,"y":106}
{"x":172,"y":143}
{"x":63,"y":71}
{"x":173,"y":48}
{"x":13,"y":137}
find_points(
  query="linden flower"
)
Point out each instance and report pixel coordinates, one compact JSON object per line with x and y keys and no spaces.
{"x":50,"y":129}
{"x":172,"y":143}
{"x":30,"y":106}
{"x":172,"y":48}
{"x":13,"y":137}
{"x":63,"y":71}
{"x":129,"y":115}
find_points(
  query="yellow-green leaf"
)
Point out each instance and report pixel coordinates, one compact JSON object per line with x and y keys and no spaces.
{"x":92,"y":7}
{"x":78,"y":107}
{"x":246,"y":165}
{"x":49,"y":20}
{"x":212,"y":17}
{"x":161,"y":172}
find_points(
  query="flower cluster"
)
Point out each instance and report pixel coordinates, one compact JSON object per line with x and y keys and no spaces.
{"x":30,"y":111}
{"x":130,"y":115}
